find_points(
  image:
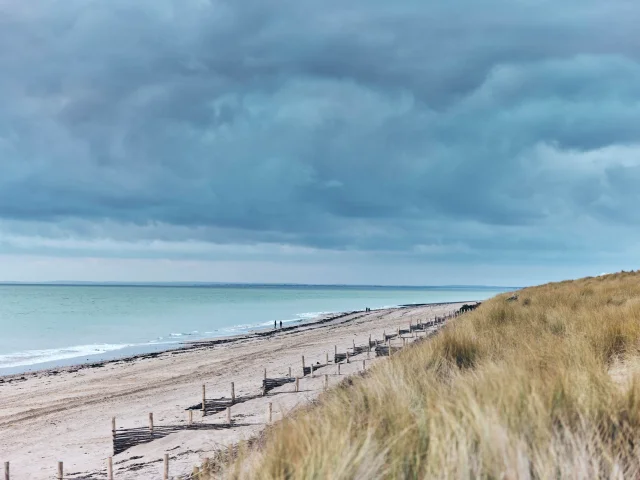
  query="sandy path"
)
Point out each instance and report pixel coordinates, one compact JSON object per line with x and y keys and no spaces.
{"x":67,"y":417}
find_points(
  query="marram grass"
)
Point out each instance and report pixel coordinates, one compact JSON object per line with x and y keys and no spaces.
{"x":541,"y":387}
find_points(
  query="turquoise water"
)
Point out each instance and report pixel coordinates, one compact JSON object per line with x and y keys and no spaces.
{"x":44,"y":325}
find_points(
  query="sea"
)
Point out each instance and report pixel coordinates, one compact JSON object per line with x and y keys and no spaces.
{"x":45,"y":326}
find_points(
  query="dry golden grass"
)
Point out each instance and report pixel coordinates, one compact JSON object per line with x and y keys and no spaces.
{"x":541,"y":387}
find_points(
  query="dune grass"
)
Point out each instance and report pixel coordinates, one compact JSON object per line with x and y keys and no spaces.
{"x":545,"y":386}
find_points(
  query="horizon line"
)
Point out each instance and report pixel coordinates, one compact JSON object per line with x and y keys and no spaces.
{"x":72,"y":283}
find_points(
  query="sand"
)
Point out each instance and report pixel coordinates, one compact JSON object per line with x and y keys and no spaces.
{"x":65,"y":414}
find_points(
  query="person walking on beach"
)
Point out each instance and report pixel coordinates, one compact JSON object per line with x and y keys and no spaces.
{"x":280,"y":324}
{"x":274,"y":325}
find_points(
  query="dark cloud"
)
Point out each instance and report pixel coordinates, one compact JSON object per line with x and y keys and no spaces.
{"x":457,"y":130}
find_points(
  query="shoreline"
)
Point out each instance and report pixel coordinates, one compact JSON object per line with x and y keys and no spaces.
{"x":185,"y":346}
{"x":48,"y":417}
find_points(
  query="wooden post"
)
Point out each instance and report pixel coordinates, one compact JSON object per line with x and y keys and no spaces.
{"x":190,"y":415}
{"x":326,"y":359}
{"x":326,"y":381}
{"x":398,"y":331}
{"x":335,"y":352}
{"x":303,"y":365}
{"x":233,"y":393}
{"x":228,"y":415}
{"x":110,"y":468}
{"x":60,"y":471}
{"x":347,"y":356}
{"x":354,"y":346}
{"x":6,"y":471}
{"x":364,"y":366}
{"x":270,"y":412}
{"x":204,"y":411}
{"x":165,"y":475}
{"x":113,"y":432}
{"x":369,"y":342}
{"x":312,"y":375}
{"x":151,"y":423}
{"x":289,"y":372}
{"x":265,"y":373}
{"x":297,"y":384}
{"x":338,"y":369}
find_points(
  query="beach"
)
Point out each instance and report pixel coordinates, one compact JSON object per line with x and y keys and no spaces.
{"x":64,"y":414}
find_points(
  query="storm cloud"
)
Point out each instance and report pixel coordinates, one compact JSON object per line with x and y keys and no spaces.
{"x":461,"y":132}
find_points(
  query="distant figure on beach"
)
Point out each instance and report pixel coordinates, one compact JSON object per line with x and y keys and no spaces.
{"x":274,"y":325}
{"x":280,"y":324}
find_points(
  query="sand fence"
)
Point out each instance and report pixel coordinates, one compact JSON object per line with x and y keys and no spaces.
{"x":125,"y":438}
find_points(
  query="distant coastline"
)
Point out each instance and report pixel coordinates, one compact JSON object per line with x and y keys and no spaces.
{"x":64,"y":283}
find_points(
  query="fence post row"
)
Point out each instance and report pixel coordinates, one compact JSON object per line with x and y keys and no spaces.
{"x":419,"y":323}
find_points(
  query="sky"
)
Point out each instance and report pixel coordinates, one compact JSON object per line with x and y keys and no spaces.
{"x":367,"y":141}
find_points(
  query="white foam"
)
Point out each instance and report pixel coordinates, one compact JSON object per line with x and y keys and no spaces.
{"x":178,"y":335}
{"x":309,"y":315}
{"x":31,"y":357}
{"x":241,"y":328}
